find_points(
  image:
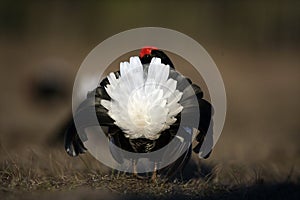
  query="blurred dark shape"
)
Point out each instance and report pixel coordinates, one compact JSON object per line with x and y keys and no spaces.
{"x":48,"y":89}
{"x":48,"y":86}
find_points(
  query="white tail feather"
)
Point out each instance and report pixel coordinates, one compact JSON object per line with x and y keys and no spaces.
{"x":141,"y":106}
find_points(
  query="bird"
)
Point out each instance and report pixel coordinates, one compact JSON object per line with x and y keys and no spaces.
{"x":143,"y":105}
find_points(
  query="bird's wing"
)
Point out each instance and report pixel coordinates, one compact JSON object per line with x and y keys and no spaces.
{"x":84,"y":118}
{"x":73,"y":144}
{"x":193,"y":105}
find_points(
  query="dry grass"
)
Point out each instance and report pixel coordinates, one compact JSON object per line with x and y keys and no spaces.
{"x":36,"y":174}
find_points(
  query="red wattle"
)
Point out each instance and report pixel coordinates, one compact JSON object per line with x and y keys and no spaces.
{"x":146,"y":51}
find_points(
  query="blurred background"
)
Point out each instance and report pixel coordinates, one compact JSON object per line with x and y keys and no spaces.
{"x":255,"y":45}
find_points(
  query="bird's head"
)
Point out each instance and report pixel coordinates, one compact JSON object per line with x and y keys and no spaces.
{"x":149,"y":52}
{"x":144,"y":100}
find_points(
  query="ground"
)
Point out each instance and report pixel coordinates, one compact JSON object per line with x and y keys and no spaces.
{"x":36,"y":176}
